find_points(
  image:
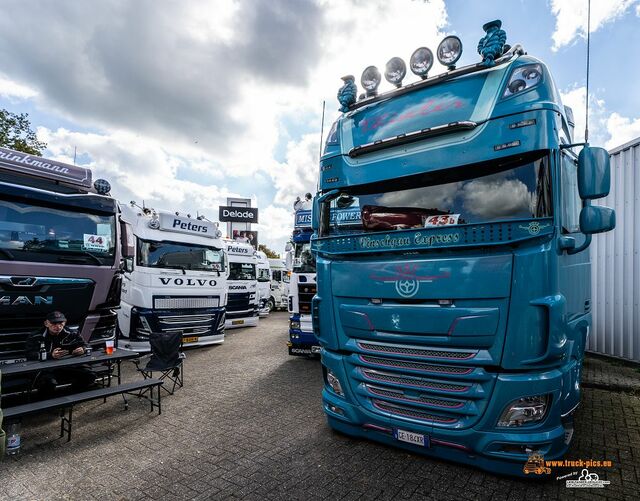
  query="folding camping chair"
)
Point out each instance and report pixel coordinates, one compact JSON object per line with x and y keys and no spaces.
{"x":167,"y":358}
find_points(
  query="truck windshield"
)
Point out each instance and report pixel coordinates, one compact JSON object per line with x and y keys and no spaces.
{"x":179,"y":255}
{"x":304,"y":261}
{"x":242,"y":271}
{"x":35,"y":233}
{"x":456,"y":196}
{"x":263,"y":275}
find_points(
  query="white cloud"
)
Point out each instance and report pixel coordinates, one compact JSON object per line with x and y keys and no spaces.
{"x":575,"y":99}
{"x":571,"y":17}
{"x":14,"y":90}
{"x":208,"y":90}
{"x":621,"y":130}
{"x":608,"y":130}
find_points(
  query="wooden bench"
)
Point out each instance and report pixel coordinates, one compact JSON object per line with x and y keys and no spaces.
{"x":66,"y":403}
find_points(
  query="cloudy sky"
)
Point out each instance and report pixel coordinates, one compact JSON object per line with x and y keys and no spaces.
{"x":182,"y":103}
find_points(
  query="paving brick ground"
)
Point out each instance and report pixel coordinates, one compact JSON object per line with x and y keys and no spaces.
{"x":249,"y":425}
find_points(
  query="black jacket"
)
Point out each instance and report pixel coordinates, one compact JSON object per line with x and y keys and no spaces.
{"x":66,"y":340}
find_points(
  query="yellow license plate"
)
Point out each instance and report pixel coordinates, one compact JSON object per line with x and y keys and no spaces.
{"x":237,"y":322}
{"x":192,"y":339}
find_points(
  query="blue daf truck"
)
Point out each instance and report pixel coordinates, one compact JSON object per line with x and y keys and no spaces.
{"x":453,"y":314}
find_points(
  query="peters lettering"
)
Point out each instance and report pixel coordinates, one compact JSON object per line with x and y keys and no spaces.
{"x":188,"y":225}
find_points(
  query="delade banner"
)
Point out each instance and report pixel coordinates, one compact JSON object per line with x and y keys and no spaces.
{"x":238,"y":214}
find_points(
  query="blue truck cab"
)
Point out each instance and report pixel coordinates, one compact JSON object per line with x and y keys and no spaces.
{"x":302,"y":288}
{"x":453,"y":313}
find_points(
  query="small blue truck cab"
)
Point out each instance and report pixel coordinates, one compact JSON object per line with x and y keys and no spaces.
{"x":302,"y":288}
{"x":453,"y":313}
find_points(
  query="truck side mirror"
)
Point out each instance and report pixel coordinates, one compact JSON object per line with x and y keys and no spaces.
{"x":128,"y":264}
{"x":288,"y":247}
{"x":289,"y":259}
{"x":594,"y":173}
{"x":597,"y":219}
{"x":128,"y":240}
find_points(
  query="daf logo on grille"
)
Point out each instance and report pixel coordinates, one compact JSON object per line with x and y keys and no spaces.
{"x":23,"y":281}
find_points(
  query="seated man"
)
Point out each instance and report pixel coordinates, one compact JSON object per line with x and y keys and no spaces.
{"x":58,"y":342}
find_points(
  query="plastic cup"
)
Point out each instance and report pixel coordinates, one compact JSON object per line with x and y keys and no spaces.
{"x":109,"y":347}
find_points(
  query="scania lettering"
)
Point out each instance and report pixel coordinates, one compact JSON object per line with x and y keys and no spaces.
{"x":175,"y":281}
{"x":60,"y":249}
{"x":264,"y":283}
{"x":302,"y":287}
{"x":242,"y":303}
{"x":453,"y":312}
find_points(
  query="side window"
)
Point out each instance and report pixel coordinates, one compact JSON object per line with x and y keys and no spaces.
{"x":571,"y":202}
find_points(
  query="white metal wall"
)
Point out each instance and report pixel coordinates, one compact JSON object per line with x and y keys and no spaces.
{"x":615,"y":272}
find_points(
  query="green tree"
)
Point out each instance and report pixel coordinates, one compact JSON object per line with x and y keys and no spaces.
{"x":270,"y":254}
{"x":16,"y":133}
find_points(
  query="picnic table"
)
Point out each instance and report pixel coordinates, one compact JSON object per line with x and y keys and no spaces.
{"x":65,"y":403}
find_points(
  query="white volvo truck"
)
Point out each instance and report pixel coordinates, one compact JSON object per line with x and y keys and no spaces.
{"x":242,"y":285}
{"x":176,"y":280}
{"x":279,"y":299}
{"x":264,"y":283}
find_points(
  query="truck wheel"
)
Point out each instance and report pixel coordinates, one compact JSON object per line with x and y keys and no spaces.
{"x":271,"y":305}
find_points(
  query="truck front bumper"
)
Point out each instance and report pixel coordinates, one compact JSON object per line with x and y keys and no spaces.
{"x":484,"y":445}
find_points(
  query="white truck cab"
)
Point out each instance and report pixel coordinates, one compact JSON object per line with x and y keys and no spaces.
{"x":279,"y":285}
{"x":242,"y":285}
{"x":176,"y":281}
{"x":264,"y":283}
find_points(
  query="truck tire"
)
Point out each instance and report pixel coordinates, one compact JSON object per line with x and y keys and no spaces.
{"x":271,"y":305}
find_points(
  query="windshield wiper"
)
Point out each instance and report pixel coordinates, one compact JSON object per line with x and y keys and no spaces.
{"x":7,"y":253}
{"x":72,"y":257}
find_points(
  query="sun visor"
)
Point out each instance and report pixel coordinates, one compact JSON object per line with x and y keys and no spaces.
{"x":43,"y":168}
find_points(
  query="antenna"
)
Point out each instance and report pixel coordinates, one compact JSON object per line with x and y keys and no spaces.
{"x":586,"y":122}
{"x":322,"y":128}
{"x":75,"y":150}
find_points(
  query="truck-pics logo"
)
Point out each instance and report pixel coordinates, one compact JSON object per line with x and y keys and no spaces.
{"x":407,"y":281}
{"x":192,"y":282}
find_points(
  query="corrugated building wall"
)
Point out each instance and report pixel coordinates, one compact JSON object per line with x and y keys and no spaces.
{"x":615,"y":257}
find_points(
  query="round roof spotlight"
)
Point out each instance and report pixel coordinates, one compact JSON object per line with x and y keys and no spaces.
{"x":370,"y":80}
{"x":517,"y":85}
{"x":395,"y":71}
{"x":421,"y":61}
{"x":449,"y":51}
{"x":102,"y":186}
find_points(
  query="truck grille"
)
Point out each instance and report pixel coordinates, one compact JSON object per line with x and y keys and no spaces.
{"x":412,"y":381}
{"x":305,"y":296}
{"x":402,"y":410}
{"x":239,"y":305}
{"x":445,"y":395}
{"x":418,"y":352}
{"x":417,"y":366}
{"x":166,"y":303}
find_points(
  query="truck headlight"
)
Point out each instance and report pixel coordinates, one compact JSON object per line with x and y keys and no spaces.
{"x":523,"y":78}
{"x":524,"y":410}
{"x":293,"y":324}
{"x":334,"y":383}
